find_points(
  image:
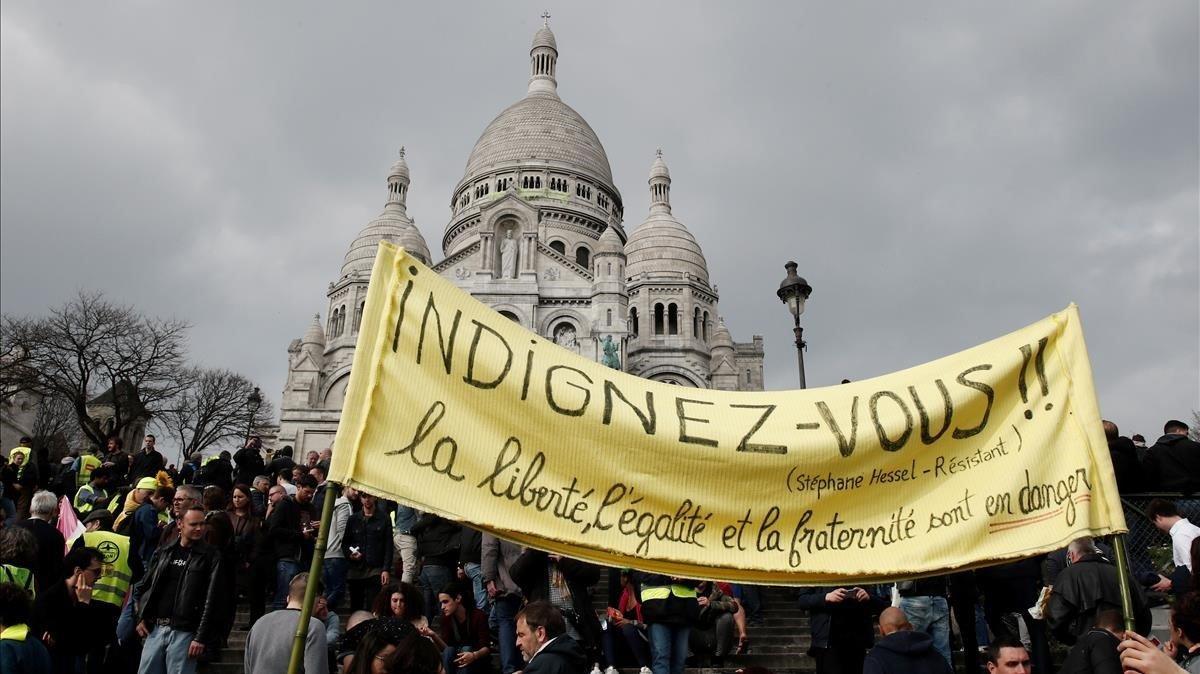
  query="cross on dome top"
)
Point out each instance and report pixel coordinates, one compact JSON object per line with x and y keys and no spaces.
{"x":546,"y":18}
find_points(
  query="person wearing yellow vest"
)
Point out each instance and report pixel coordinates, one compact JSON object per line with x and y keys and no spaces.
{"x":23,"y":448}
{"x":133,"y":500}
{"x":19,"y":650}
{"x":116,"y":574}
{"x":669,"y":607}
{"x":94,"y":494}
{"x":85,"y":464}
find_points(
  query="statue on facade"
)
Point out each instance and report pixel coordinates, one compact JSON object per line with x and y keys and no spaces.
{"x":611,"y":358}
{"x":564,"y":336}
{"x":508,"y":256}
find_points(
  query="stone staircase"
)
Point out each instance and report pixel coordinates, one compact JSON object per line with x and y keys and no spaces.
{"x":779,"y":644}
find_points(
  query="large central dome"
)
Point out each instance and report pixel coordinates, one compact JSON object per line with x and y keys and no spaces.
{"x":539,"y":128}
{"x":540,"y":131}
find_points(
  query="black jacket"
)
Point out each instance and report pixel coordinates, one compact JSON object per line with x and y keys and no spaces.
{"x":1173,"y":464}
{"x":906,"y":652}
{"x":1094,"y":653}
{"x":199,"y":599}
{"x":438,"y":540}
{"x":1084,"y":588}
{"x":846,"y":624}
{"x":249,"y":464}
{"x":283,"y":530}
{"x":1126,"y":467}
{"x":279,"y":463}
{"x":50,"y":545}
{"x":531,"y":572}
{"x":561,"y":656}
{"x":146,"y":464}
{"x":372,"y":537}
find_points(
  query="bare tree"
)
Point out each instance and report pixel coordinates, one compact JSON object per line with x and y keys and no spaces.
{"x":90,"y":345}
{"x":216,"y":405}
{"x":17,"y":374}
{"x":55,"y":427}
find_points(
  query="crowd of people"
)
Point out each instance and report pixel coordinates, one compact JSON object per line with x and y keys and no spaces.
{"x":164,"y":558}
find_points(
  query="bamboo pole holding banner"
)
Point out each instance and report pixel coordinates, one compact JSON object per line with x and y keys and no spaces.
{"x":295,"y":665}
{"x":1123,"y":580}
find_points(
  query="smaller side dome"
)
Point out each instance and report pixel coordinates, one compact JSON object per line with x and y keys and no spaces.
{"x":315,"y":333}
{"x":721,"y":340}
{"x":610,"y":243}
{"x":393,"y":224}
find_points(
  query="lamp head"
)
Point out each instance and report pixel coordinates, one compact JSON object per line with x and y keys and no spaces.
{"x":794,"y":290}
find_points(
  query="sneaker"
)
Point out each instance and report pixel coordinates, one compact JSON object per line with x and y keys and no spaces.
{"x":645,"y":670}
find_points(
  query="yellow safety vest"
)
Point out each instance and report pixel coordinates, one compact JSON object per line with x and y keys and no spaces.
{"x":664,"y":591}
{"x":115,"y":574}
{"x":87,"y":463}
{"x":85,"y":507}
{"x":19,"y":576}
{"x":24,"y":451}
{"x":14,"y":633}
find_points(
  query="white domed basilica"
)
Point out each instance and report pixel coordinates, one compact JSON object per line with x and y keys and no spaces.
{"x":536,"y":232}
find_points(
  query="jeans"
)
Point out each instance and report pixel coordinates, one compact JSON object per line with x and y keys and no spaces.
{"x":751,"y":600}
{"x":433,"y":578}
{"x":930,"y":615}
{"x":333,"y":574}
{"x":406,"y":547}
{"x":285,"y":570}
{"x":716,"y":640}
{"x":475,"y":573}
{"x":451,"y":652}
{"x":166,"y":652}
{"x":504,"y":624}
{"x":668,"y":647}
{"x":633,"y":640}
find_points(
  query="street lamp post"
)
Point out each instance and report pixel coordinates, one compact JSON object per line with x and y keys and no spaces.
{"x":794,"y":291}
{"x":254,"y":401}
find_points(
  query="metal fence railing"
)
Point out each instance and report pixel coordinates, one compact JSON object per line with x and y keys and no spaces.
{"x":1149,"y":548}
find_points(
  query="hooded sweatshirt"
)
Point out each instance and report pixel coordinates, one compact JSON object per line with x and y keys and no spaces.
{"x":563,"y":655}
{"x":1173,"y":464}
{"x":905,"y":652}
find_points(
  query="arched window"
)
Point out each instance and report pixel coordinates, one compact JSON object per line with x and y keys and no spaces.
{"x":358,"y":312}
{"x":342,"y":321}
{"x":583,"y":257}
{"x":658,"y":318}
{"x":747,"y":376}
{"x":704,"y":326}
{"x":608,"y":317}
{"x":511,"y":316}
{"x":696,"y":322}
{"x":609,"y":272}
{"x":559,"y":247}
{"x":633,"y":321}
{"x":672,"y":319}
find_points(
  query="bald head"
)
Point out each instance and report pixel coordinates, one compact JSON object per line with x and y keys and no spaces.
{"x":893,"y":620}
{"x":1110,"y":430}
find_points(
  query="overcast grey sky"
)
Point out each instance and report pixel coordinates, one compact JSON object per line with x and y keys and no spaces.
{"x":944,"y":173}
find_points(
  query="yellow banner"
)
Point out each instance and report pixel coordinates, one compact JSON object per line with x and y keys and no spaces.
{"x":992,"y":453}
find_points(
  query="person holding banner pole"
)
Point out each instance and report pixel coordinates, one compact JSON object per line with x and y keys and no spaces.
{"x":314,"y":571}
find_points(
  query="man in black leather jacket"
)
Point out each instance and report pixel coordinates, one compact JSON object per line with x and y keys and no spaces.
{"x":179,"y":605}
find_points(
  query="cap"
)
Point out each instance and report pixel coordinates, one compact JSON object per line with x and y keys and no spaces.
{"x":98,"y":514}
{"x":147,"y":483}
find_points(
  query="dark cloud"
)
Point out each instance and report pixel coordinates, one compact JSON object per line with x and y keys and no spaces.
{"x":943,"y":174}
